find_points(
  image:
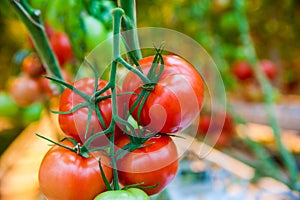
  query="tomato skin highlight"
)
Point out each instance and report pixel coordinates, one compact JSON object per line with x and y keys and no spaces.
{"x":129,"y":194}
{"x":74,"y":124}
{"x":65,"y":175}
{"x":156,"y":163}
{"x":176,"y":100}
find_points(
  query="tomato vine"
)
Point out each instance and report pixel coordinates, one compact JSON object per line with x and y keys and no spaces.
{"x":85,"y":96}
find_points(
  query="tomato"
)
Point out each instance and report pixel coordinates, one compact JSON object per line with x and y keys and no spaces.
{"x":95,"y":32}
{"x":32,"y":65}
{"x":8,"y":108}
{"x":66,"y":175}
{"x":204,"y":124}
{"x":48,"y":87}
{"x":242,"y":70}
{"x":215,"y":127}
{"x":154,"y":164}
{"x":129,"y":194}
{"x":176,"y":99}
{"x":25,"y":90}
{"x":269,"y":69}
{"x":32,"y":113}
{"x":61,"y":46}
{"x":74,"y":124}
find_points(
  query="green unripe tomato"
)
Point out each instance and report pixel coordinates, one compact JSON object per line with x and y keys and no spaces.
{"x":8,"y":108}
{"x":95,"y":32}
{"x":32,"y":113}
{"x":129,"y":194}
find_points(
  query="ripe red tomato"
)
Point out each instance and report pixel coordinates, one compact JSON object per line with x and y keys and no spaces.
{"x":176,"y":99}
{"x":74,"y":124}
{"x":66,"y":175}
{"x":215,"y":127}
{"x":242,"y":70}
{"x":32,"y":65}
{"x":25,"y":90}
{"x":155,"y":163}
{"x":204,"y":124}
{"x":61,"y":46}
{"x":269,"y":68}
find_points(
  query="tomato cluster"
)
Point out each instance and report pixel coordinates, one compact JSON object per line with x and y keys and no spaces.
{"x":29,"y":86}
{"x":249,"y":86}
{"x":146,"y":156}
{"x":244,"y":71}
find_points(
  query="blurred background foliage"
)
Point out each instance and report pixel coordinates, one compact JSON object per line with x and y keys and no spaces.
{"x":274,"y":26}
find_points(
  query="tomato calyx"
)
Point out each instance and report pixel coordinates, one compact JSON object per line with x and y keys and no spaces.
{"x":139,"y":186}
{"x":91,"y":102}
{"x":137,"y":141}
{"x":153,"y":75}
{"x":78,"y":148}
{"x":148,"y":87}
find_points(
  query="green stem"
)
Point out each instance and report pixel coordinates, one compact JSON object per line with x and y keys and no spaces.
{"x":32,"y":20}
{"x":117,"y":15}
{"x":129,"y":24}
{"x":287,"y":157}
{"x":144,"y":78}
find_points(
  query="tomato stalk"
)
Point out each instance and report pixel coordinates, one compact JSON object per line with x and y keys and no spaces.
{"x":32,"y":20}
{"x":117,"y":15}
{"x":129,"y":25}
{"x":268,"y":93}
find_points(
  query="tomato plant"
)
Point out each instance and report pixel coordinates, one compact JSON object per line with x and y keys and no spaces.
{"x":25,"y":90}
{"x":242,"y":70}
{"x":154,"y":164}
{"x":62,"y":47}
{"x":74,"y":124}
{"x":66,"y":175}
{"x":166,"y":109}
{"x":129,"y":194}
